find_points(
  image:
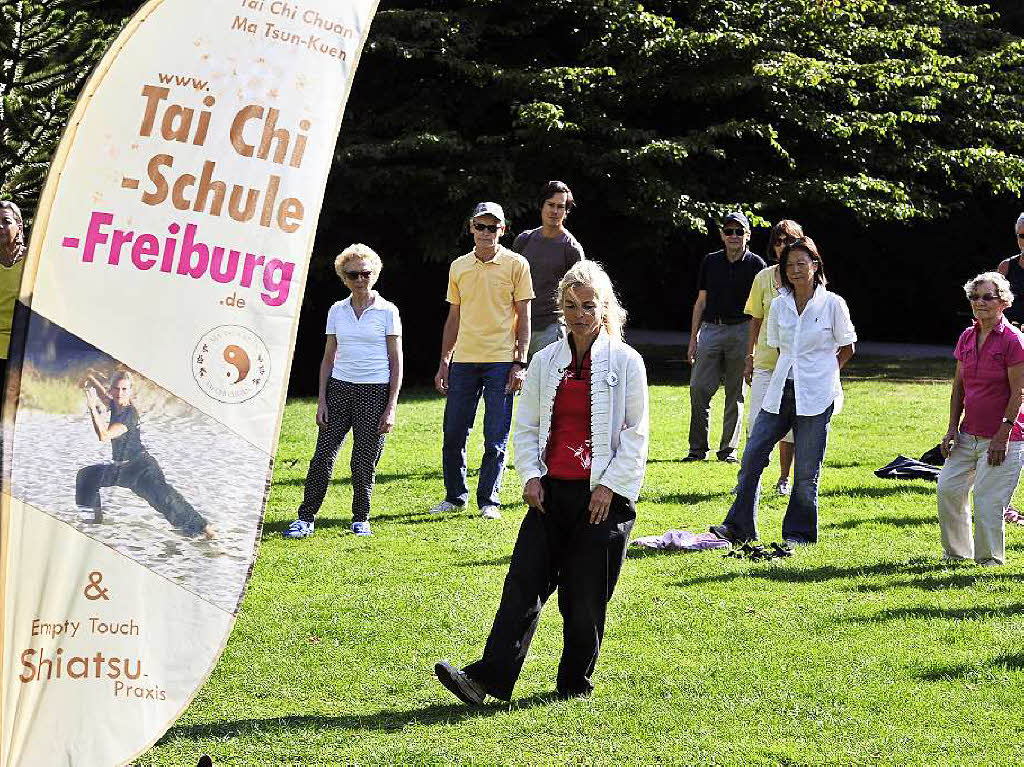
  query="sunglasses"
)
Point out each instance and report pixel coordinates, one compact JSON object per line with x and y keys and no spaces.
{"x":1020,"y":235}
{"x":356,"y":275}
{"x":730,"y":231}
{"x":986,"y":297}
{"x":786,"y":240}
{"x":492,"y":228}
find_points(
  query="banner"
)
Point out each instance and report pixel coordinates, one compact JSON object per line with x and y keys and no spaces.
{"x":150,"y":362}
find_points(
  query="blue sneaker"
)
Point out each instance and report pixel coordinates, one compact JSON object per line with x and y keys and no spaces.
{"x":361,"y":528}
{"x":300,"y":528}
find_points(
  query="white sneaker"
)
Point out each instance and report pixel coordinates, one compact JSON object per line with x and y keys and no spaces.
{"x":300,"y":528}
{"x":443,"y":508}
{"x":782,"y":486}
{"x":490,"y":512}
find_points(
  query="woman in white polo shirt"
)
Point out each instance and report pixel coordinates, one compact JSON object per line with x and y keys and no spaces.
{"x":360,"y":377}
{"x":811,"y":328}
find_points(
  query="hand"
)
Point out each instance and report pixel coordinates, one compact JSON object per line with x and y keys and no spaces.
{"x":441,"y":379}
{"x":691,"y":352}
{"x":387,"y":420}
{"x":600,"y":504}
{"x":533,"y":494}
{"x":997,"y":446}
{"x":948,"y":442}
{"x":748,"y":369}
{"x":516,"y":377}
{"x":321,"y":413}
{"x":91,"y":398}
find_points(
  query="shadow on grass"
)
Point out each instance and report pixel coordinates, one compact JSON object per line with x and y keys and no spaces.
{"x":1007,"y":662}
{"x":961,"y":580}
{"x":496,"y":562}
{"x":831,"y":464}
{"x":639,"y":552}
{"x":437,"y":713}
{"x":947,"y":614}
{"x":382,"y":479}
{"x":686,"y":499}
{"x":885,"y":519}
{"x":879,"y":492}
{"x":821,"y":574}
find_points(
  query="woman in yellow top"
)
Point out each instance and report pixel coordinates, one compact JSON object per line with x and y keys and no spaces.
{"x":761,"y":358}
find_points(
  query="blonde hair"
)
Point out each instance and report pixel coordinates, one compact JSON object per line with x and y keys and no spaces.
{"x":358,"y":250}
{"x":1001,"y":283}
{"x":590,"y":274}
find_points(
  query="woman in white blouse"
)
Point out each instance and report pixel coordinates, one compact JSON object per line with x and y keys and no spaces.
{"x":581,"y":448}
{"x":811,"y":328}
{"x":360,"y":377}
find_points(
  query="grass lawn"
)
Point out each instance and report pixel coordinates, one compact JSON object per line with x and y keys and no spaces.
{"x":866,"y":648}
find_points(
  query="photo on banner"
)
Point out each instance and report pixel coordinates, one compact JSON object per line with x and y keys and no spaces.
{"x":151,"y":494}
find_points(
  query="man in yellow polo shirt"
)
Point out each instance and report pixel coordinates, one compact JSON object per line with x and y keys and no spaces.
{"x":483,"y":351}
{"x":12,"y":263}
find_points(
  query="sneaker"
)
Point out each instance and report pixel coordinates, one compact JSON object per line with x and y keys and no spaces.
{"x":782,"y":486}
{"x":300,"y":528}
{"x":443,"y":507}
{"x":490,"y":512}
{"x":361,"y":528}
{"x":460,"y":685}
{"x":691,"y":458}
{"x":729,"y":458}
{"x":90,"y":516}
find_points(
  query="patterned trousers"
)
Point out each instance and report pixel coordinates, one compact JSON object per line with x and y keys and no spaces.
{"x":349,"y":406}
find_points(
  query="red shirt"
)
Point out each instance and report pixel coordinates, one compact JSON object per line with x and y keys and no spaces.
{"x":568,"y":450}
{"x":986,"y":386}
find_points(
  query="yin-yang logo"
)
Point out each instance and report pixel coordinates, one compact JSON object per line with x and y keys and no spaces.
{"x":231,"y":364}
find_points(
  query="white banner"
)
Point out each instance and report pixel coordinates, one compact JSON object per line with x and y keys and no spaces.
{"x":159,"y":309}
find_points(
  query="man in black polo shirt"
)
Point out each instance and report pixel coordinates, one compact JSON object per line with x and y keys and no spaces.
{"x":718,"y":337}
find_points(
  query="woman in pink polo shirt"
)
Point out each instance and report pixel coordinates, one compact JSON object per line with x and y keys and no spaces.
{"x":986,"y":448}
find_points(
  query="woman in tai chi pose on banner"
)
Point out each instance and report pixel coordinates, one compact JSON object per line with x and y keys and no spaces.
{"x":133,"y":467}
{"x":811,"y":328}
{"x":984,"y":449}
{"x":581,"y":449}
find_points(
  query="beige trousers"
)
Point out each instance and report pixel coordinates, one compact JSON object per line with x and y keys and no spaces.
{"x":967,"y":465}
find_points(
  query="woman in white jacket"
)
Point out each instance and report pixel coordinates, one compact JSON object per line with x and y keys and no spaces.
{"x":580,"y":440}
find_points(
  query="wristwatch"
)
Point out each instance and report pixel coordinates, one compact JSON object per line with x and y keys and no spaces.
{"x":1009,"y":421}
{"x":518,"y":363}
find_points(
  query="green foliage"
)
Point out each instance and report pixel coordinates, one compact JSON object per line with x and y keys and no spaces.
{"x":47,"y":51}
{"x":891,"y":110}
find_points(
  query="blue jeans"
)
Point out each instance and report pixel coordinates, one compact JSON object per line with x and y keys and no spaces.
{"x":810,"y":436}
{"x":466,"y":382}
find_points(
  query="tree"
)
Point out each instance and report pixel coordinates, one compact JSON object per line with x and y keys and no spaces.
{"x":47,"y":51}
{"x":890,"y":110}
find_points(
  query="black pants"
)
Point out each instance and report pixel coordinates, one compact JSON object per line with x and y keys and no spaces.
{"x":349,"y":406}
{"x":143,"y":476}
{"x":557,"y":549}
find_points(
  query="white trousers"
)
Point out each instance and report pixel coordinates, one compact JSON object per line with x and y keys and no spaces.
{"x":967,"y":465}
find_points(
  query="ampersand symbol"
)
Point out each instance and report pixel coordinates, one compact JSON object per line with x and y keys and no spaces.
{"x":93,"y":591}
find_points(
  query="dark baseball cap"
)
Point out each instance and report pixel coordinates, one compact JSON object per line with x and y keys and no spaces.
{"x":738,"y":217}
